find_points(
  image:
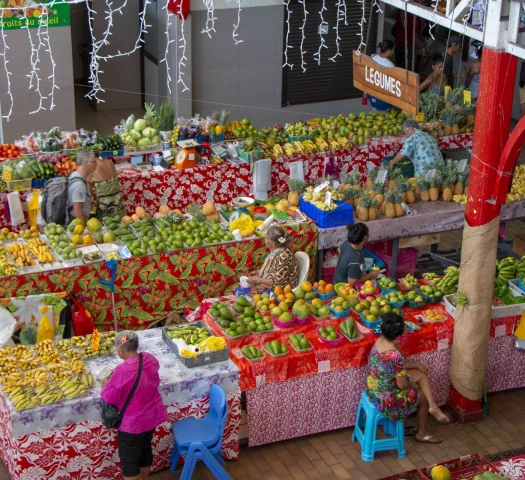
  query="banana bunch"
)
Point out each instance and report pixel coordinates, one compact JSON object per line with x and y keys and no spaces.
{"x":7,"y":268}
{"x":77,"y":385}
{"x":40,"y":250}
{"x":449,"y":283}
{"x":299,"y":149}
{"x":44,"y":347}
{"x":28,"y":362}
{"x":278,"y":151}
{"x":88,"y":352}
{"x":46,"y":352}
{"x":63,"y":345}
{"x":216,"y":160}
{"x":333,"y":144}
{"x":20,"y":351}
{"x":59,"y":371}
{"x":78,"y":366}
{"x":47,"y":394}
{"x":321,"y":144}
{"x":289,"y":151}
{"x":34,"y":378}
{"x":23,"y":398}
{"x":460,"y":199}
{"x":517,"y":189}
{"x":343,"y":142}
{"x":309,"y":146}
{"x":432,"y":278}
{"x":8,"y":365}
{"x":79,"y":342}
{"x":505,"y":270}
{"x":520,"y":269}
{"x":12,"y":381}
{"x":71,"y":355}
{"x":20,"y":254}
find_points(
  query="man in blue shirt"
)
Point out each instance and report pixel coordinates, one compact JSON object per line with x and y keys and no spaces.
{"x":420,"y":147}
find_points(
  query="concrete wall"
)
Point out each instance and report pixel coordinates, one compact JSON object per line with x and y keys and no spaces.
{"x":25,"y":101}
{"x":246,"y":79}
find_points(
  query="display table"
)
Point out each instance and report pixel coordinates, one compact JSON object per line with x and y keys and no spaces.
{"x":66,"y":440}
{"x":151,"y":286}
{"x":308,"y":393}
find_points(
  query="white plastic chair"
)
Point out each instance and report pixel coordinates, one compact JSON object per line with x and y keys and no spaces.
{"x":303,"y":261}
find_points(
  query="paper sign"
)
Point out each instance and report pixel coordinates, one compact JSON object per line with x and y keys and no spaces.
{"x":430,"y":175}
{"x":166,"y":153}
{"x":381,"y":176}
{"x":462,"y":165}
{"x":420,"y":117}
{"x":448,"y":89}
{"x":297,"y":170}
{"x":328,"y":199}
{"x":467,"y":96}
{"x":157,"y":168}
{"x":321,"y":187}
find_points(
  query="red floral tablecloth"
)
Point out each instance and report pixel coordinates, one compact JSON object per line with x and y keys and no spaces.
{"x":87,"y":450}
{"x":153,"y":285}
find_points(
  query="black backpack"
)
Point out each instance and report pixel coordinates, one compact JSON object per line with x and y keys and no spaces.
{"x":55,"y":208}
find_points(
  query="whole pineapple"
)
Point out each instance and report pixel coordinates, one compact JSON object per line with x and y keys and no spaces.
{"x":351,"y":195}
{"x":403,"y":186}
{"x":434,"y":185}
{"x":354,"y":179}
{"x":364,"y":205}
{"x":423,"y":186}
{"x":297,"y":188}
{"x":393,"y":177}
{"x":379,"y":189}
{"x":196,"y":212}
{"x":371,"y":176}
{"x":449,"y":181}
{"x":411,"y":192}
{"x":372,"y":209}
{"x":397,"y":205}
{"x":390,"y":200}
{"x":460,"y":184}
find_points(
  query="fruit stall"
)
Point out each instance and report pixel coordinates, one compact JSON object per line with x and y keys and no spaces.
{"x":301,"y":359}
{"x":51,"y":399}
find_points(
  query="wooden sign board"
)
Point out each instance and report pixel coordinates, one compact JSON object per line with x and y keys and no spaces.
{"x":387,"y":84}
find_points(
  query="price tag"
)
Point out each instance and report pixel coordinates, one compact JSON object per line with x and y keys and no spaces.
{"x":166,"y":153}
{"x":467,"y":96}
{"x":462,"y":165}
{"x":430,"y":175}
{"x":420,"y":117}
{"x":328,"y":199}
{"x":321,"y":187}
{"x":381,"y":176}
{"x":448,"y":89}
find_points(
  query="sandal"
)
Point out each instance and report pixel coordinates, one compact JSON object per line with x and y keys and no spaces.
{"x":433,"y":439}
{"x":410,"y":431}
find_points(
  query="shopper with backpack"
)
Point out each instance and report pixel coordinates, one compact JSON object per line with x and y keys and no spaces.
{"x":65,"y":198}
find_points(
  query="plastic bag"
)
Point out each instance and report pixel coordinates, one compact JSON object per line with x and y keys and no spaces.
{"x":506,"y":296}
{"x":15,"y":208}
{"x":33,"y":207}
{"x":46,"y":330}
{"x":7,"y":326}
{"x":245,"y":224}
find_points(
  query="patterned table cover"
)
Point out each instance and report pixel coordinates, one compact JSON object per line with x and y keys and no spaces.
{"x":151,"y":286}
{"x":178,"y":385}
{"x":222,"y":183}
{"x":429,"y":217}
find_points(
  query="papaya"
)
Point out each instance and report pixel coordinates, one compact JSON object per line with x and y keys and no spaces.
{"x":226,"y":314}
{"x":242,"y":301}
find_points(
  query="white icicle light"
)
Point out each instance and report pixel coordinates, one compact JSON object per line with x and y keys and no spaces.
{"x":288,"y":14}
{"x":303,"y":36}
{"x":210,"y":17}
{"x":183,"y":57}
{"x":3,"y":54}
{"x":51,"y":77}
{"x":322,"y":45}
{"x":236,"y":25}
{"x":341,"y":15}
{"x":169,"y":41}
{"x":362,"y":25}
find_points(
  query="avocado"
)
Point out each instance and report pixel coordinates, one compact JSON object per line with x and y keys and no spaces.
{"x":242,"y":302}
{"x":226,"y":314}
{"x":238,"y":308}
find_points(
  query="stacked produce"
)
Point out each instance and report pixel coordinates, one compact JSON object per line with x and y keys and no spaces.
{"x":42,"y":169}
{"x":449,"y":283}
{"x":275,"y":348}
{"x":8,"y":150}
{"x":349,"y":329}
{"x":59,"y":240}
{"x":7,"y":267}
{"x":300,"y":342}
{"x":319,"y":198}
{"x":141,"y":133}
{"x":251,"y":352}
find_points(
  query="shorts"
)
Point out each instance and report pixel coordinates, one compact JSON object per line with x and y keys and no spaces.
{"x":135,"y":452}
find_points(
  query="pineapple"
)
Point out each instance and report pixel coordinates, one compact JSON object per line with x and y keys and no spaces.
{"x":449,"y":175}
{"x":459,"y":187}
{"x":354,"y":179}
{"x":379,"y":189}
{"x":391,"y":198}
{"x":450,"y":118}
{"x":175,"y":218}
{"x":371,"y":176}
{"x":403,"y":186}
{"x":351,"y":195}
{"x":465,"y":189}
{"x":297,"y":188}
{"x":393,"y":178}
{"x":423,"y":186}
{"x":364,"y":205}
{"x":151,"y":116}
{"x":372,"y":209}
{"x":196,"y":212}
{"x":434,"y":185}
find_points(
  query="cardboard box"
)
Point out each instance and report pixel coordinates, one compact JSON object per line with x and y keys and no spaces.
{"x":518,"y":247}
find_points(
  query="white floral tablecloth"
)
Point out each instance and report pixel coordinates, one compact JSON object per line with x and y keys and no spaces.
{"x":179,"y":385}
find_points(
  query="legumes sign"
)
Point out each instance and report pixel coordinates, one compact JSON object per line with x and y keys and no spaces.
{"x":388,"y":84}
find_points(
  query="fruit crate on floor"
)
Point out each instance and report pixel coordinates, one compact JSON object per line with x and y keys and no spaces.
{"x":342,"y":215}
{"x":410,"y":475}
{"x":465,"y":467}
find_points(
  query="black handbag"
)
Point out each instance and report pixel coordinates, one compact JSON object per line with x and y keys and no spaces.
{"x":111,"y":417}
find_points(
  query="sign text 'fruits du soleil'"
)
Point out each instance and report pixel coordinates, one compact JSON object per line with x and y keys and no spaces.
{"x":392,"y":85}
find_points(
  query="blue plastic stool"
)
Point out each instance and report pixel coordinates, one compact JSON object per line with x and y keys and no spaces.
{"x":366,"y":423}
{"x":202,"y":439}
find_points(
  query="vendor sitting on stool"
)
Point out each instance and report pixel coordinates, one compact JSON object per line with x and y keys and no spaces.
{"x":351,"y":264}
{"x":279,"y":268}
{"x":420,"y":147}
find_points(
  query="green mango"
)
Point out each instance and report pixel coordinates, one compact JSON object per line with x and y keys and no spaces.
{"x":294,"y":341}
{"x":247,"y":352}
{"x":242,"y":301}
{"x":238,"y":308}
{"x":226,"y":314}
{"x":304,"y":343}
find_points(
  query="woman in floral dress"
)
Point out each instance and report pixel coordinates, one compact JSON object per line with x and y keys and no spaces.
{"x":397,"y":388}
{"x":280,"y":267}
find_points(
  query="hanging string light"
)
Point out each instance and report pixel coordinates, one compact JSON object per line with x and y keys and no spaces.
{"x":341,"y":16}
{"x":322,"y":27}
{"x":288,"y":46}
{"x":183,"y":57}
{"x":236,"y":26}
{"x":435,"y":4}
{"x":3,"y":54}
{"x":51,"y":77}
{"x":210,"y":17}
{"x":169,"y":41}
{"x":362,"y":27}
{"x":303,"y":36}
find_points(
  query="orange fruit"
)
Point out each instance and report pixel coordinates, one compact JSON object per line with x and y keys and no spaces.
{"x":287,"y":289}
{"x":321,"y":289}
{"x":278,"y":290}
{"x":316,"y":285}
{"x":329,"y":288}
{"x":256,"y":298}
{"x":306,"y":286}
{"x":281,"y":298}
{"x":322,"y":283}
{"x":289,"y":297}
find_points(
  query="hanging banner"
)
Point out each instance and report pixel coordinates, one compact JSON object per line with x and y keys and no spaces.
{"x":388,"y":84}
{"x":16,"y":14}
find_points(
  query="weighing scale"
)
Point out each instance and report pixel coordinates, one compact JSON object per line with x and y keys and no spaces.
{"x":187,"y":156}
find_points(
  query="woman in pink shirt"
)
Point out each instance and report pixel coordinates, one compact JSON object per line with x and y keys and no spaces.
{"x":145,"y":411}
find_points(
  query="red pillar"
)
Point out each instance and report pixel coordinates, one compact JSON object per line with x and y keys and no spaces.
{"x":493,"y":115}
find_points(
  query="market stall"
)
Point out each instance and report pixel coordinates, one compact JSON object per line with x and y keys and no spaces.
{"x":302,"y":393}
{"x":67,"y":440}
{"x":151,"y":286}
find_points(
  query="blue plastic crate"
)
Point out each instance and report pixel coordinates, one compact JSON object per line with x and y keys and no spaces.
{"x":112,"y":153}
{"x":342,"y":215}
{"x":343,"y":314}
{"x":368,"y":323}
{"x":377,"y":261}
{"x":40,"y":183}
{"x":324,"y":296}
{"x":392,"y":304}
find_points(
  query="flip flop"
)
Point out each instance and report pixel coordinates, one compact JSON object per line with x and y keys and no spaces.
{"x":433,"y":439}
{"x":410,"y":431}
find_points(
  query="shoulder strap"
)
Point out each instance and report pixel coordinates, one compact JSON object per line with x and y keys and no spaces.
{"x":134,"y":389}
